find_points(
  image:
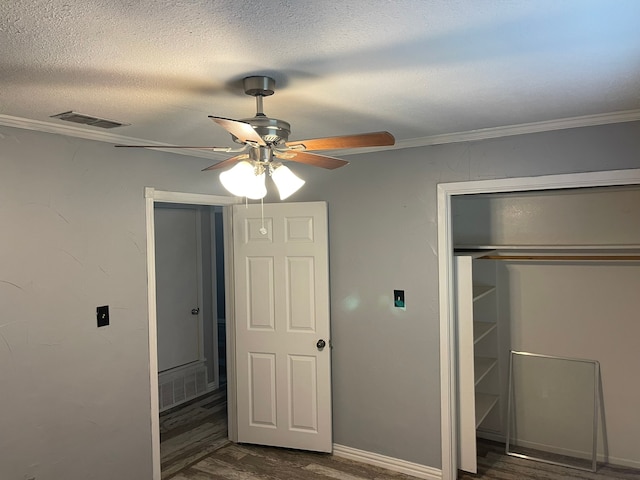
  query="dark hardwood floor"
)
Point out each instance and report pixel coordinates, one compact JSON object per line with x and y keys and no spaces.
{"x":494,"y":464}
{"x":251,"y":462}
{"x":192,"y":431}
{"x":194,"y":446}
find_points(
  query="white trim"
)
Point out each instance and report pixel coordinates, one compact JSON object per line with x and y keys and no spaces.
{"x":153,"y":339}
{"x":505,"y":131}
{"x":533,"y":127}
{"x":230,"y":330}
{"x":600,"y":457}
{"x":394,"y":464}
{"x":151,"y":196}
{"x":617,"y":461}
{"x":93,"y":133}
{"x":448,"y":366}
{"x":190,"y":198}
{"x":445,"y":191}
{"x":468,"y":136}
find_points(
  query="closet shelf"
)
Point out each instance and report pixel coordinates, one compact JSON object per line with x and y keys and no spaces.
{"x":480,"y":291}
{"x":484,"y":403}
{"x":482,"y":366}
{"x":570,"y":253}
{"x":481,"y":330}
{"x":561,"y":248}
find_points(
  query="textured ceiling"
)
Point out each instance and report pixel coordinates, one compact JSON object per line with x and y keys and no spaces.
{"x":416,"y":68}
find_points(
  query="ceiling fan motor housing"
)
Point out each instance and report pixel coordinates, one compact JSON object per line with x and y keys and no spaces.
{"x":272,"y":130}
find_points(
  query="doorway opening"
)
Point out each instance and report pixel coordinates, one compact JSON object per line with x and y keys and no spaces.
{"x":190,"y":301}
{"x":448,"y":339}
{"x":190,"y":291}
{"x":190,"y":326}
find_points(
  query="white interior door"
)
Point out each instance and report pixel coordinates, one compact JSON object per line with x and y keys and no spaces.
{"x":176,"y":233}
{"x":282,"y":313}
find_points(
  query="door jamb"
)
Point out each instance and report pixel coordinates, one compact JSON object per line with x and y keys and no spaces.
{"x":152,"y":196}
{"x":445,"y":191}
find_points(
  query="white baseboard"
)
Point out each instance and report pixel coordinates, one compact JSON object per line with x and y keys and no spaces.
{"x":600,"y":458}
{"x":390,"y":463}
{"x":610,"y":460}
{"x":495,"y":437}
{"x":621,"y":462}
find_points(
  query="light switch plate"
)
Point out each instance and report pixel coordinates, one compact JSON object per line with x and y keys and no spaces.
{"x":102,"y":313}
{"x":398,"y":299}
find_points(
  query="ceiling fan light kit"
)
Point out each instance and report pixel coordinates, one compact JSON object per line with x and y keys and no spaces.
{"x":287,"y":182}
{"x":243,"y":181}
{"x":264,"y":139}
{"x":248,"y":180}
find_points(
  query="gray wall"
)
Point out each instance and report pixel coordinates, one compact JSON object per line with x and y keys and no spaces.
{"x":76,"y":398}
{"x":585,"y":310}
{"x":586,"y":216}
{"x":383,"y":236}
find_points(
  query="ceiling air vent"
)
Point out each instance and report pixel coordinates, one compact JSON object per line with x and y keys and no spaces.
{"x":88,"y":120}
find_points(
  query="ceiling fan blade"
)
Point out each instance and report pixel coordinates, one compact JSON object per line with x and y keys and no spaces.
{"x":312,"y":159}
{"x":219,"y":149}
{"x":373,"y":139}
{"x":243,"y":131}
{"x":227,"y":162}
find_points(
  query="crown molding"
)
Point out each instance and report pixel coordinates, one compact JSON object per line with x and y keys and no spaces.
{"x":509,"y":130}
{"x":99,"y":136}
{"x":457,"y":137}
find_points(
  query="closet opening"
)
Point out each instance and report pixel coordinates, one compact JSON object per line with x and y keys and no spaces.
{"x":549,"y":251}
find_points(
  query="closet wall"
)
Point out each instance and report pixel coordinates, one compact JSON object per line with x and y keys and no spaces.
{"x":581,"y":309}
{"x":585,"y":216}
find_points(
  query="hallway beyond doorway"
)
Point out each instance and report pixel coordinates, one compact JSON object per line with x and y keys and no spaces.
{"x":192,"y":431}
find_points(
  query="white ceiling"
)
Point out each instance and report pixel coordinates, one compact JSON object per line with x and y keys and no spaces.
{"x":417,"y":68}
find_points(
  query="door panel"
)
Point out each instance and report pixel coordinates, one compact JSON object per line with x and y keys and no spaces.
{"x":260,"y":294}
{"x":262,"y":389}
{"x":303,"y":411}
{"x":282,"y":310}
{"x":300,"y":294}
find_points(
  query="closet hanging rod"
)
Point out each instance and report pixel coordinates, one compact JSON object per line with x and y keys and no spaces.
{"x":593,"y":258}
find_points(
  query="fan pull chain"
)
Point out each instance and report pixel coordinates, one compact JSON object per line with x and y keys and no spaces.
{"x":263,"y":230}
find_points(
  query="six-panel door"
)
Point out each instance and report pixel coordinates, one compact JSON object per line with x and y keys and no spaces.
{"x":282,"y":311}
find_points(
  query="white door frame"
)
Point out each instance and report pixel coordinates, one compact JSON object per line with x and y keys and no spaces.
{"x":445,"y":191}
{"x":152,"y":196}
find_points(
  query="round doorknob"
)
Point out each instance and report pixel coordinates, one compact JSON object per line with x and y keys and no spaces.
{"x":321,"y":344}
{"x":195,"y":311}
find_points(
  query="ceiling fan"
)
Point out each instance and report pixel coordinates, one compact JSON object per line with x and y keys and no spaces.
{"x":263,"y":138}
